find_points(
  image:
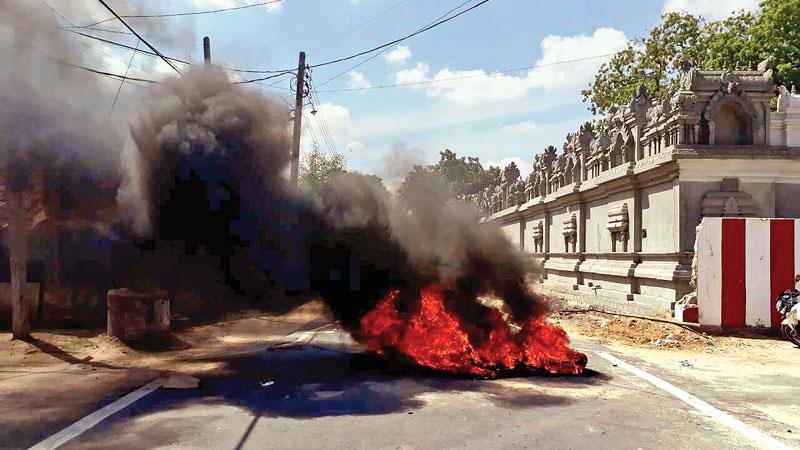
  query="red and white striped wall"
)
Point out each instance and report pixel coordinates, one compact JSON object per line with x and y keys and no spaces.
{"x":742,"y":265}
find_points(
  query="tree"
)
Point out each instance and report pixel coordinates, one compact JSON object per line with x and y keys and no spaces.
{"x":318,"y":168}
{"x":738,"y":42}
{"x":451,"y":175}
{"x":776,"y":33}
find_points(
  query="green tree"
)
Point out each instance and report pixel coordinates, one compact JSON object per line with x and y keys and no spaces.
{"x":738,"y":42}
{"x":318,"y":168}
{"x":452,"y":175}
{"x":776,"y":33}
{"x":652,"y":61}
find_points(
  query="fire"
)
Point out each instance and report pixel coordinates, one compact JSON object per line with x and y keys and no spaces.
{"x":433,"y":337}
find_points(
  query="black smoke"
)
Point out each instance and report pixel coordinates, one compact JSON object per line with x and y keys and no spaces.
{"x":211,"y":177}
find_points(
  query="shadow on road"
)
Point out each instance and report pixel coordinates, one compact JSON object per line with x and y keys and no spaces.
{"x":309,"y":382}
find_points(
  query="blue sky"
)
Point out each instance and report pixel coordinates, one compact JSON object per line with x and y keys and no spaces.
{"x":498,"y":118}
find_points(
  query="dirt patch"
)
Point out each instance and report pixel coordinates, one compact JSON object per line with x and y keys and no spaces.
{"x":190,"y":348}
{"x":641,"y":332}
{"x":60,"y":375}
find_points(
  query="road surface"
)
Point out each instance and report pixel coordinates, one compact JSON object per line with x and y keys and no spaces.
{"x":315,"y":389}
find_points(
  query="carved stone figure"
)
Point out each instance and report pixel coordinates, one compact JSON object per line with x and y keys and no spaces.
{"x":510,"y":173}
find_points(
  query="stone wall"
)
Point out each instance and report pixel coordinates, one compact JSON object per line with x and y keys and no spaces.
{"x":613,"y":215}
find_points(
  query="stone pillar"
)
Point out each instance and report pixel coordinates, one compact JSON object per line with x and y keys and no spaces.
{"x":582,"y":227}
{"x":637,"y":220}
{"x":546,"y":237}
{"x":712,"y":138}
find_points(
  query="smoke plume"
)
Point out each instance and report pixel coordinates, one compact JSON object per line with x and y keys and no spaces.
{"x":399,"y":162}
{"x":49,"y":120}
{"x":213,"y":157}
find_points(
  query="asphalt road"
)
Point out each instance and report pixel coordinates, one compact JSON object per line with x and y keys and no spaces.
{"x":326,"y":394}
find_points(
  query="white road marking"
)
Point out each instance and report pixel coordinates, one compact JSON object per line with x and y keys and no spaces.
{"x":729,"y":421}
{"x":86,"y":423}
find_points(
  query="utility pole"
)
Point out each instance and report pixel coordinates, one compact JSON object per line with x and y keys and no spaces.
{"x":18,"y":246}
{"x":298,"y":117}
{"x":207,"y":50}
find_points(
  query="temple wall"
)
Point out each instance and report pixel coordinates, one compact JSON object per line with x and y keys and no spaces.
{"x":511,"y":230}
{"x":787,"y":200}
{"x":628,"y":191}
{"x":660,"y":227}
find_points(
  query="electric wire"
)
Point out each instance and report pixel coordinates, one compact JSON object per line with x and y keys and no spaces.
{"x":108,"y":74}
{"x":104,"y":30}
{"x":178,"y":60}
{"x":464,"y":77}
{"x":192,"y":13}
{"x":119,"y":44}
{"x":169,"y":60}
{"x":164,"y":58}
{"x":122,"y":82}
{"x":323,"y":123}
{"x":57,"y":13}
{"x":346,"y":58}
{"x":384,"y":50}
{"x":371,"y":19}
{"x":396,"y":41}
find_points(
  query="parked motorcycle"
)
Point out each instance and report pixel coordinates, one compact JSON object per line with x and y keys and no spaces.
{"x":788,"y":306}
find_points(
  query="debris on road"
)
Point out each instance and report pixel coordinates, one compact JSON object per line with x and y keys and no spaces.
{"x":267,"y":383}
{"x":181,"y":382}
{"x":686,"y":363}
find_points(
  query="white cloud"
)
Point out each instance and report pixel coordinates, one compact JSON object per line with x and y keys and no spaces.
{"x":477,"y":87}
{"x":208,"y":4}
{"x":474,"y":87}
{"x":330,"y":122}
{"x":358,"y":80}
{"x":525,"y":168}
{"x":604,"y":41}
{"x":355,"y":146}
{"x":416,"y":74}
{"x":525,"y":127}
{"x":337,"y":117}
{"x":710,"y":9}
{"x":399,"y":54}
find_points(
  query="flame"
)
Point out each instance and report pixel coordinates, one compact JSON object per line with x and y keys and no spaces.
{"x":433,"y":337}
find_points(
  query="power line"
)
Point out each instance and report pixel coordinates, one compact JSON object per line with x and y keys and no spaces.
{"x":104,"y":30}
{"x":192,"y":13}
{"x":256,"y":80}
{"x":119,"y":44}
{"x":356,"y":55}
{"x":108,"y":74}
{"x":388,"y":44}
{"x":464,"y":77}
{"x":122,"y":82}
{"x":323,"y":123}
{"x":57,"y":13}
{"x":164,"y":58}
{"x":331,"y":41}
{"x":111,"y":55}
{"x":384,"y":50}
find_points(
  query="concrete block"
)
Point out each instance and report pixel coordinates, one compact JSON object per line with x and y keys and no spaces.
{"x":132,"y":315}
